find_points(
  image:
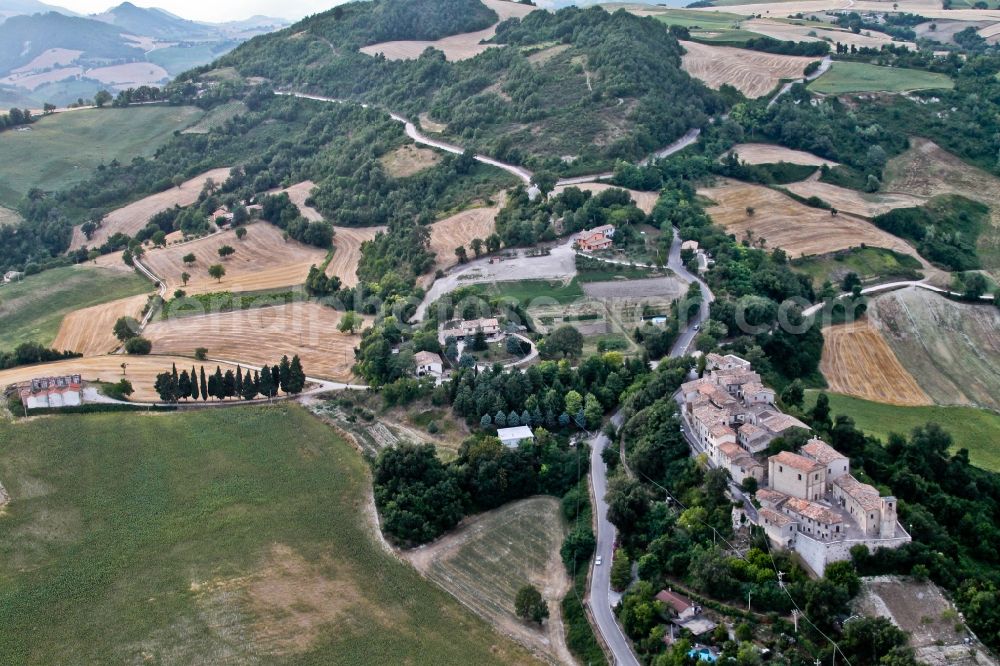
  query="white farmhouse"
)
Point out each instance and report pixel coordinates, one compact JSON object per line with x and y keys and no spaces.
{"x":512,"y":437}
{"x":428,"y":363}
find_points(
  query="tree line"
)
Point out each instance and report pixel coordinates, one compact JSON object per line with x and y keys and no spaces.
{"x":15,"y":118}
{"x":287,"y":376}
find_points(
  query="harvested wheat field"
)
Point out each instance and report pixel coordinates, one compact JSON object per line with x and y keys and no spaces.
{"x":298,"y":193}
{"x":643,"y":200}
{"x":135,"y":216}
{"x":796,"y":228}
{"x":768,"y":153}
{"x":857,"y":361}
{"x":490,"y":556}
{"x":347,"y":255}
{"x":263,"y":260}
{"x":88,"y":331}
{"x":812,"y":32}
{"x":952,"y":349}
{"x":408,"y":160}
{"x":753,"y":73}
{"x":140,"y":370}
{"x":852,"y":201}
{"x":264,"y":335}
{"x":460,"y":229}
{"x":926,"y":170}
{"x":456,"y":47}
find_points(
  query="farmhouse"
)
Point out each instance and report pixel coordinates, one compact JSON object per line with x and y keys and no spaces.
{"x":685,"y":613}
{"x":598,"y":238}
{"x":512,"y":437}
{"x":428,"y":363}
{"x":466,"y":328}
{"x":49,"y":392}
{"x":820,"y":518}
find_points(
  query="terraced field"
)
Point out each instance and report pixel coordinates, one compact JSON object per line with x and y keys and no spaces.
{"x":489,"y":558}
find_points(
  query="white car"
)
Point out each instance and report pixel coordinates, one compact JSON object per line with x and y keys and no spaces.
{"x":597,"y":561}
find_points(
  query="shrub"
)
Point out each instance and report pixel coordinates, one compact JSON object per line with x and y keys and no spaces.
{"x":138,"y":346}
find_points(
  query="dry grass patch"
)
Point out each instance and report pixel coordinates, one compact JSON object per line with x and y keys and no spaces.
{"x":264,"y":335}
{"x":857,"y":361}
{"x":768,"y":153}
{"x":796,"y":228}
{"x":820,"y":33}
{"x":141,"y":371}
{"x":460,"y":229}
{"x":429,"y":125}
{"x":135,"y":216}
{"x":8,"y":216}
{"x":753,"y":73}
{"x":263,"y":260}
{"x":643,"y":200}
{"x":852,"y":201}
{"x":456,"y":47}
{"x":347,"y":255}
{"x":408,"y":160}
{"x":491,"y":556}
{"x":298,"y":194}
{"x":927,"y":170}
{"x":89,"y":331}
{"x":952,"y":349}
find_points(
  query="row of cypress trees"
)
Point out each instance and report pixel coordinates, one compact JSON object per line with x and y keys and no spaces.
{"x":287,"y":376}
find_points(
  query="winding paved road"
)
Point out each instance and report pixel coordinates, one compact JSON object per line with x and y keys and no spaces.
{"x":601,"y":597}
{"x":889,"y":286}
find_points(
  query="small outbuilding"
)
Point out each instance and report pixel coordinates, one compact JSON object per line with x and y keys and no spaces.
{"x":428,"y":363}
{"x":512,"y":437}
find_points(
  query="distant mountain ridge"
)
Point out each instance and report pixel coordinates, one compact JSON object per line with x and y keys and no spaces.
{"x":10,"y":8}
{"x":154,"y":22}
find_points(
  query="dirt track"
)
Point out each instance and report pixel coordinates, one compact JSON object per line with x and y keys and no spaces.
{"x":264,"y":335}
{"x":263,"y":260}
{"x":89,"y":331}
{"x":135,"y":216}
{"x":857,"y":361}
{"x":753,"y":73}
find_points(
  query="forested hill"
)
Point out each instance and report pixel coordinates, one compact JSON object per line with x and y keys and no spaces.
{"x":600,"y":86}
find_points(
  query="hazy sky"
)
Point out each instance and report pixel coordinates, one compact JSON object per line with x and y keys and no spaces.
{"x":211,"y":10}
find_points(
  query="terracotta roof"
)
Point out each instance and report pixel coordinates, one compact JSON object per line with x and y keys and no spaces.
{"x":678,"y":602}
{"x":821,"y":452}
{"x":755,"y":387}
{"x":771,"y":516}
{"x":816,"y":512}
{"x":426,"y":358}
{"x":731,"y":451}
{"x":749,"y":432}
{"x":779,"y":423}
{"x":864,"y":494}
{"x":721,"y":430}
{"x":771,"y":496}
{"x":795,"y":461}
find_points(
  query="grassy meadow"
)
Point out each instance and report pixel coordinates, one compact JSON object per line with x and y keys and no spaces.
{"x":527,"y":291}
{"x":32,"y":309}
{"x":65,"y":147}
{"x":854,"y":77}
{"x":977,"y":430}
{"x":216,"y":536}
{"x":872,"y":264}
{"x":699,"y":20}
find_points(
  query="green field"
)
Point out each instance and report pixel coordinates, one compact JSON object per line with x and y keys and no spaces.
{"x":177,"y":59}
{"x":696,"y":20}
{"x":65,"y":148}
{"x":32,"y":309}
{"x":217,"y":117}
{"x":872,"y":264}
{"x":527,"y":291}
{"x":977,"y":430}
{"x":848,"y":77}
{"x":216,"y":536}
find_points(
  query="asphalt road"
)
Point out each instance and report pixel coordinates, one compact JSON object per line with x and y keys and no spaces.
{"x":600,"y":597}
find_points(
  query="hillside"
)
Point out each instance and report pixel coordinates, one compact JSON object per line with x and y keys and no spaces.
{"x":613,"y":88}
{"x":10,"y":8}
{"x":24,"y":38}
{"x":154,"y":23}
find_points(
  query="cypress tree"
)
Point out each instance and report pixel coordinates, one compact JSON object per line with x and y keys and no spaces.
{"x":174,"y":374}
{"x":229,"y":384}
{"x":297,"y":380}
{"x":275,"y":378}
{"x":213,"y":386}
{"x":266,"y":386}
{"x":184,"y":385}
{"x":220,"y":387}
{"x":256,"y":381}
{"x":204,"y":385}
{"x":249,"y":391}
{"x":239,"y":380}
{"x":285,"y":374}
{"x":194,"y":384}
